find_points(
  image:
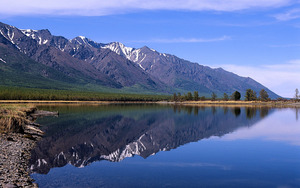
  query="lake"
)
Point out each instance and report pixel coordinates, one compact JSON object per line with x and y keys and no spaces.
{"x":150,"y":145}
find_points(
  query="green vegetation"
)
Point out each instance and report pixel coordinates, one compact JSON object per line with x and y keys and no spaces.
{"x":236,"y":96}
{"x":213,"y":96}
{"x":250,"y":95}
{"x":225,"y":97}
{"x":189,"y":96}
{"x":297,"y":96}
{"x":18,"y":93}
{"x":263,"y":95}
{"x":196,"y":96}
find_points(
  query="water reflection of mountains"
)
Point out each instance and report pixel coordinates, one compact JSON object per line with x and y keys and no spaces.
{"x":82,"y":135}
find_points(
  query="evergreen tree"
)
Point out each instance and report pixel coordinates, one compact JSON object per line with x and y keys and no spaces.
{"x":196,"y":96}
{"x":250,"y":95}
{"x":179,"y":98}
{"x":213,"y":96}
{"x":174,"y":98}
{"x":236,"y":96}
{"x":297,"y":96}
{"x":225,"y":97}
{"x":189,"y":96}
{"x":263,"y":95}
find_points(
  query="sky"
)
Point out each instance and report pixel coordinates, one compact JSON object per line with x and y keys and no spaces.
{"x":252,"y":38}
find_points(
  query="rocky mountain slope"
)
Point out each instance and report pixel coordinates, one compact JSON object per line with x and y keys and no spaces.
{"x":84,"y":62}
{"x":179,"y":73}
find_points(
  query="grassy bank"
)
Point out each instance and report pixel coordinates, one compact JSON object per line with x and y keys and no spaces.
{"x":14,"y":116}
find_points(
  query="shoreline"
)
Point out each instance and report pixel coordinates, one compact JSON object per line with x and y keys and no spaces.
{"x":15,"y":153}
{"x":16,"y":144}
{"x":280,"y":104}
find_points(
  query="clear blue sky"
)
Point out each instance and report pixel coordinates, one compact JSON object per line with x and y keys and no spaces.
{"x":255,"y":38}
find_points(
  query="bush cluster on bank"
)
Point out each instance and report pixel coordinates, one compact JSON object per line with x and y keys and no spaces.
{"x":236,"y":96}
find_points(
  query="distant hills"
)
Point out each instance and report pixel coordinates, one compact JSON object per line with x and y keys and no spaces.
{"x":37,"y":59}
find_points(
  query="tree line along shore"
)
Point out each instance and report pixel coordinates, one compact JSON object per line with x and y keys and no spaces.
{"x":235,"y":96}
{"x":34,"y":95}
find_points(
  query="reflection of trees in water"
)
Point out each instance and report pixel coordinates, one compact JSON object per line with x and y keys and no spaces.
{"x":225,"y":110}
{"x":236,"y":111}
{"x":250,"y":111}
{"x":196,"y":110}
{"x":213,"y":109}
{"x":297,"y":113}
{"x":189,"y":110}
{"x":264,"y":112}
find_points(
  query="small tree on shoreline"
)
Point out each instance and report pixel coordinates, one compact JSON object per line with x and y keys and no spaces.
{"x":196,"y":96}
{"x":236,"y":96}
{"x":225,"y":97}
{"x":297,"y":94}
{"x":189,"y":96}
{"x":250,"y":95}
{"x":213,"y":96}
{"x":174,"y":97}
{"x":263,"y":95}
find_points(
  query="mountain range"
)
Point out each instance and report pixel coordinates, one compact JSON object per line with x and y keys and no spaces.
{"x":38,"y":59}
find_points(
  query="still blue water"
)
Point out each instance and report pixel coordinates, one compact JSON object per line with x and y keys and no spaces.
{"x":168,"y":146}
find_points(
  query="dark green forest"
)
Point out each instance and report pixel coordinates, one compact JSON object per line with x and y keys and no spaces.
{"x":19,"y":93}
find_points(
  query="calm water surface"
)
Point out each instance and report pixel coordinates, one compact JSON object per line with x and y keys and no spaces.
{"x":168,"y":146}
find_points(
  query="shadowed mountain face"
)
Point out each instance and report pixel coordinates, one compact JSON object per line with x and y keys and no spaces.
{"x":84,"y":62}
{"x":85,"y":134}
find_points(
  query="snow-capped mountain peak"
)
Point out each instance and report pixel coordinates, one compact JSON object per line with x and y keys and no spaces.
{"x":29,"y":32}
{"x":81,"y":40}
{"x":120,"y":49}
{"x":41,"y":36}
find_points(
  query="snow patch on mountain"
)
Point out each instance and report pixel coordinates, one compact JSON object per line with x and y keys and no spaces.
{"x":120,"y":49}
{"x":29,"y":33}
{"x":81,"y":40}
{"x":2,"y":60}
{"x":11,"y":35}
{"x":131,"y":54}
{"x":34,"y":35}
{"x":131,"y":149}
{"x":4,"y":35}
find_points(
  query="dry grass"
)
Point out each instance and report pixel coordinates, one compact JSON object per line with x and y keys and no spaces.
{"x":14,"y":116}
{"x":281,"y":104}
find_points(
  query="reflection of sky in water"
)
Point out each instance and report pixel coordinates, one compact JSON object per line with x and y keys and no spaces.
{"x":282,"y":125}
{"x":266,"y":154}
